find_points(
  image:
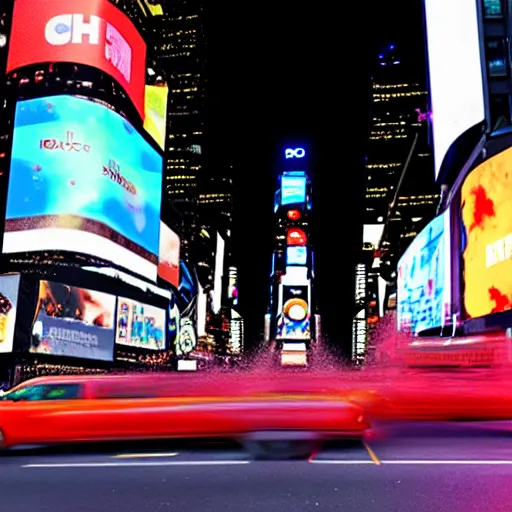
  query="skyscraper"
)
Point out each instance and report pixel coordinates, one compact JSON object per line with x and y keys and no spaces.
{"x":401,"y":195}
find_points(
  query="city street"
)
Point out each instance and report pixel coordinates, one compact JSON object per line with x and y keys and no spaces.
{"x":421,"y":468}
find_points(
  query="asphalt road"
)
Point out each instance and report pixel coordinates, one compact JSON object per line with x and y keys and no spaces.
{"x":409,"y":469}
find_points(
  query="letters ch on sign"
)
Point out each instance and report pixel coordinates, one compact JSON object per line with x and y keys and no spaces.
{"x":295,"y":153}
{"x":73,"y":29}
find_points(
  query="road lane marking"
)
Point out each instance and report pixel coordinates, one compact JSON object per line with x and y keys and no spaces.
{"x":372,"y":454}
{"x":137,"y":464}
{"x":417,"y":462}
{"x":460,"y":462}
{"x":143,"y":455}
{"x":342,"y":461}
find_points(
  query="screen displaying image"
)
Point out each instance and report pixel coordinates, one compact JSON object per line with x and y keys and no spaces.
{"x":73,"y":322}
{"x":9,"y":288}
{"x":293,"y":190}
{"x":83,"y":180}
{"x":296,"y":255}
{"x":140,"y":325}
{"x":424,"y":278}
{"x":155,"y":122}
{"x":455,"y":71}
{"x":294,"y":321}
{"x":486,"y":206}
{"x":169,"y":256}
{"x":90,"y":32}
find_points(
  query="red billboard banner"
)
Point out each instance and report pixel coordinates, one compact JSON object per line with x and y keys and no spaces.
{"x":90,"y":32}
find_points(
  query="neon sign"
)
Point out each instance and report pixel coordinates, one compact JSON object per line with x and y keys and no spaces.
{"x":295,"y":153}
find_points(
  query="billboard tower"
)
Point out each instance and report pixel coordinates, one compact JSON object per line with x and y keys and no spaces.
{"x":290,"y":317}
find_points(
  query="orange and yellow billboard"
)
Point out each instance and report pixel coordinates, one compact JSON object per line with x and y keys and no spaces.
{"x":486,"y":204}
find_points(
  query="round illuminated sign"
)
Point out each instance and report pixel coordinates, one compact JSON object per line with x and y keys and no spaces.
{"x":296,"y":309}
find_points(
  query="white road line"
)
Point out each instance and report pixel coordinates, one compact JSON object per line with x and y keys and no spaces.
{"x":341,"y":461}
{"x":137,"y":464}
{"x":460,"y":462}
{"x":143,"y":455}
{"x":418,"y":462}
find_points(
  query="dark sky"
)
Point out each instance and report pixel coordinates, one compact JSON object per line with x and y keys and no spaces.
{"x":301,"y":70}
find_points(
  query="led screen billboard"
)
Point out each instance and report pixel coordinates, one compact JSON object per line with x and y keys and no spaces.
{"x":456,"y":80}
{"x":73,"y":322}
{"x":293,"y":323}
{"x":9,"y":288}
{"x":424,"y":278}
{"x":486,"y":208}
{"x":296,"y":255}
{"x":155,"y":123}
{"x":169,"y":256}
{"x":83,"y":180}
{"x":89,"y":32}
{"x":293,"y":190}
{"x":140,"y":325}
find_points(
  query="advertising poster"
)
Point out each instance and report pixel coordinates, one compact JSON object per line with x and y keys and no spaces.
{"x":140,"y":325}
{"x":155,"y":122}
{"x":90,"y":32}
{"x":188,"y":296}
{"x":9,"y":288}
{"x":83,"y":180}
{"x":169,"y":256}
{"x":294,"y":321}
{"x":486,"y":206}
{"x":293,"y":190}
{"x":73,"y":322}
{"x":424,"y":280}
{"x":296,"y":255}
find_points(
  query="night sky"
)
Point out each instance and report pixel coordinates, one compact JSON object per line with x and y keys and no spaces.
{"x":300,"y":72}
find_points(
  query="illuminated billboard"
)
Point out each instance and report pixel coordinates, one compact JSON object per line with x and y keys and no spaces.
{"x":424,"y":279}
{"x":296,"y":236}
{"x":169,"y":256}
{"x":293,"y":190}
{"x":296,"y":255}
{"x":294,"y":321}
{"x":140,"y":325}
{"x":83,"y":180}
{"x":155,"y":123}
{"x":486,"y":207}
{"x":456,"y":80}
{"x":89,"y":32}
{"x":9,"y":288}
{"x":73,"y":322}
{"x":219,"y":274}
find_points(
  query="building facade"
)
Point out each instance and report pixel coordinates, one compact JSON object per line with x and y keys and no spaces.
{"x":401,"y":194}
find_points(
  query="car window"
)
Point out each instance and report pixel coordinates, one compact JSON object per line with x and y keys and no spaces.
{"x":28,"y":393}
{"x":61,"y":392}
{"x":45,"y":392}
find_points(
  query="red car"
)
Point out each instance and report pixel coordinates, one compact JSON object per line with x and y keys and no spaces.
{"x":141,"y":407}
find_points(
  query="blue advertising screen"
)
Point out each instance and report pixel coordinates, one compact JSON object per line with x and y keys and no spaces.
{"x":82,"y":179}
{"x":424,"y":279}
{"x":293,"y":190}
{"x":296,"y":255}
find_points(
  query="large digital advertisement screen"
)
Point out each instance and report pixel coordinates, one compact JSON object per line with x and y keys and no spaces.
{"x":456,"y":80}
{"x":83,"y":180}
{"x":140,"y":325}
{"x":155,"y":122}
{"x":293,"y":190}
{"x":169,"y":256}
{"x":73,"y":322}
{"x":424,"y":278}
{"x":294,"y":322}
{"x":486,"y":208}
{"x":296,"y":255}
{"x":89,"y":32}
{"x":9,"y":289}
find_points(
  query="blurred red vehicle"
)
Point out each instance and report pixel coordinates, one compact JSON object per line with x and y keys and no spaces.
{"x":141,"y":407}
